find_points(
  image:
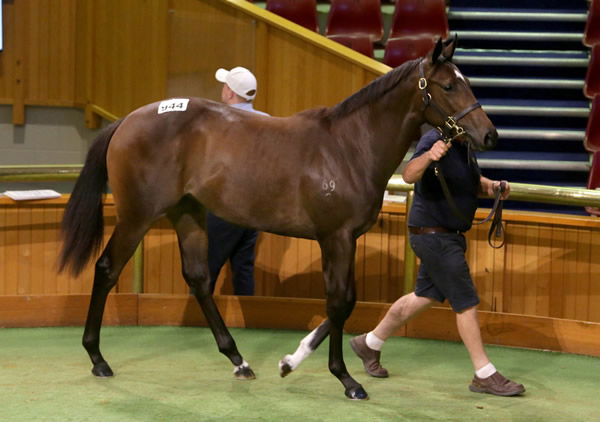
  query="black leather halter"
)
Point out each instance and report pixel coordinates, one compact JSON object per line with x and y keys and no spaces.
{"x":450,"y":129}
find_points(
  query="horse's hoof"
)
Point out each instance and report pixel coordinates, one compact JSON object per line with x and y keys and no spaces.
{"x":102,"y":370}
{"x":244,"y":372}
{"x":357,"y":393}
{"x":284,"y":368}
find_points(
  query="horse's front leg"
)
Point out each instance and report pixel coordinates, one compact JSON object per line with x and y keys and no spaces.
{"x":307,"y":345}
{"x":338,"y":269}
{"x":189,"y":222}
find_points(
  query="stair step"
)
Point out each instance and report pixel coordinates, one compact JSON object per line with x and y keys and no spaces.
{"x":563,"y":161}
{"x":520,"y":36}
{"x":547,"y":165}
{"x":536,"y":108}
{"x":526,"y":83}
{"x":516,"y":15}
{"x":543,"y":134}
{"x":521,"y":58}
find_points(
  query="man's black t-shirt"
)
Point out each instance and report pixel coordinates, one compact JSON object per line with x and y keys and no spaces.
{"x":461,"y":171}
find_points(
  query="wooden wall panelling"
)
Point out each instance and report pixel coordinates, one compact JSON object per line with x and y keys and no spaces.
{"x":3,"y":250}
{"x":29,"y":246}
{"x":130,"y":54}
{"x":51,"y":247}
{"x":11,"y":242}
{"x":204,"y":36}
{"x":557,"y":272}
{"x":594,"y":290}
{"x":543,"y":268}
{"x":373,"y":268}
{"x":295,"y":65}
{"x":19,"y":64}
{"x":38,"y":262}
{"x":582,"y":277}
{"x":8,"y":57}
{"x":531,"y":274}
{"x":304,"y":267}
{"x":48,"y":51}
{"x":24,"y":251}
{"x":396,"y":257}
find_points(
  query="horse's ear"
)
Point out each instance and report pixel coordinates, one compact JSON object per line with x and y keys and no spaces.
{"x":450,"y":46}
{"x":437,"y":50}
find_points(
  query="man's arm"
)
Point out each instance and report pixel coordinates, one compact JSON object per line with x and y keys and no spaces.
{"x":416,"y":167}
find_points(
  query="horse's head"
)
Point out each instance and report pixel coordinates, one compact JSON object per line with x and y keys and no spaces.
{"x":448,"y":102}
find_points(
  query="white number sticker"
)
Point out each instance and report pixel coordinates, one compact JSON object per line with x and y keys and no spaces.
{"x":174,"y":104}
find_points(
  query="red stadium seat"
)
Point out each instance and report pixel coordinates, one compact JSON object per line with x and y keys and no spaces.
{"x":592,"y":78}
{"x":418,"y":17}
{"x":591,"y":35}
{"x":594,"y":181}
{"x":302,"y":12}
{"x":358,"y":17}
{"x":400,"y":50}
{"x":592,"y":132}
{"x":357,"y":42}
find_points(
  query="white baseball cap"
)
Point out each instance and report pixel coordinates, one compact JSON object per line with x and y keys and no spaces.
{"x":240,"y":80}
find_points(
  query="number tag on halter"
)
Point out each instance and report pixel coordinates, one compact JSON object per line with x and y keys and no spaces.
{"x":174,"y":104}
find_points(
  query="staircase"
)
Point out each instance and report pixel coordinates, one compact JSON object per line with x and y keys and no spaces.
{"x":527,"y":65}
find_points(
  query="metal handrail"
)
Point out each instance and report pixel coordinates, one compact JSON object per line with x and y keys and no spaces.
{"x":518,"y":191}
{"x":531,"y":193}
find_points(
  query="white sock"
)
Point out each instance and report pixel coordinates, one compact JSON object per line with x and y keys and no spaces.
{"x":373,"y":341}
{"x":487,"y":371}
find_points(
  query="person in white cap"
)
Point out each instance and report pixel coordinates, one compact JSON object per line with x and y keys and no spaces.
{"x":226,"y":240}
{"x":239,"y":88}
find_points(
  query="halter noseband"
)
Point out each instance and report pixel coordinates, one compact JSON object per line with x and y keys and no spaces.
{"x":450,"y":129}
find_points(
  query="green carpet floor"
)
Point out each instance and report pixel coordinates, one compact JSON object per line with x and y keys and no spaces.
{"x":177,"y":374}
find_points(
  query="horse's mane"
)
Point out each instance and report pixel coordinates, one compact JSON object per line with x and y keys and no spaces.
{"x":373,"y":91}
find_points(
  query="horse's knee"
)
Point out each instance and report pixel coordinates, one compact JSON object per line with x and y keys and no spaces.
{"x":198,"y":279}
{"x":339,"y":310}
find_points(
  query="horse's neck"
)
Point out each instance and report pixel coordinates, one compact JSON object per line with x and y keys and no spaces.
{"x":391,"y":130}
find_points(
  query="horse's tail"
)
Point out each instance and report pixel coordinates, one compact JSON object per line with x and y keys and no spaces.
{"x":83,"y":220}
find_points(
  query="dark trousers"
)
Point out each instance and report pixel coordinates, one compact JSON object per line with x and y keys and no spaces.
{"x":228,"y":241}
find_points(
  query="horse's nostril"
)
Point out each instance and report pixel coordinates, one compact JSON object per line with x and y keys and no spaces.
{"x":491,"y":138}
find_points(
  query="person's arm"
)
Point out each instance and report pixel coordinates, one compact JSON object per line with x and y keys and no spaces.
{"x":416,"y":167}
{"x":487,"y":187}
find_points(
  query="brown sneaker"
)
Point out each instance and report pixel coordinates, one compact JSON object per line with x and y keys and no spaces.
{"x":369,"y":357}
{"x":496,"y":384}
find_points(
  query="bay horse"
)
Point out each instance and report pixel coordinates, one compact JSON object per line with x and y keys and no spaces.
{"x":319,"y":174}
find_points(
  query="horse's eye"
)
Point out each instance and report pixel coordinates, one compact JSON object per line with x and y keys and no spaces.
{"x":448,"y":87}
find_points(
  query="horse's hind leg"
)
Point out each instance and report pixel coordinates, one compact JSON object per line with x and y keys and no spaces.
{"x":307,"y":345}
{"x":189,"y":220}
{"x":117,"y":252}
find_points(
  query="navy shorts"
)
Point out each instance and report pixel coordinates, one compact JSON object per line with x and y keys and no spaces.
{"x":444,"y":272}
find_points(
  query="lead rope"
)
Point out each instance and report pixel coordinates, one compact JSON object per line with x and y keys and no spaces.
{"x":497,"y":228}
